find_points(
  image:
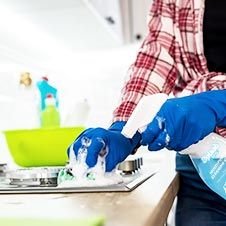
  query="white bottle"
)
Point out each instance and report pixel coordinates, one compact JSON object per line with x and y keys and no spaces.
{"x":208,"y":155}
{"x":78,"y":114}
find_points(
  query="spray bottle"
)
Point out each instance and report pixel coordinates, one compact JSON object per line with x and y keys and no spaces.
{"x":208,"y":155}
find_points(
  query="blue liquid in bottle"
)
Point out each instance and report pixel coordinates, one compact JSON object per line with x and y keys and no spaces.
{"x":209,"y":159}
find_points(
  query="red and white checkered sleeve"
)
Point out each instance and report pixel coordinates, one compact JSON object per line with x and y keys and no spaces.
{"x":154,"y":69}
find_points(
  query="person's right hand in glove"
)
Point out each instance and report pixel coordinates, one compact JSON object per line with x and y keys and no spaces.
{"x":184,"y":121}
{"x":119,"y":147}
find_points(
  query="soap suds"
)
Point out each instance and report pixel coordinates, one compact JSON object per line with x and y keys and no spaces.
{"x":167,"y":140}
{"x":78,"y":174}
{"x":100,"y":181}
{"x":161,"y":122}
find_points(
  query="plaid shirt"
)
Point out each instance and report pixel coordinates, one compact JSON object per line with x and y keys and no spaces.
{"x":171,"y":58}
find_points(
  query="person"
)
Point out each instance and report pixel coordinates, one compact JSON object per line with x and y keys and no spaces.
{"x":184,"y":54}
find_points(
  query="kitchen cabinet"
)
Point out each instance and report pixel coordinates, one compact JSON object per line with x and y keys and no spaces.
{"x":127,"y":19}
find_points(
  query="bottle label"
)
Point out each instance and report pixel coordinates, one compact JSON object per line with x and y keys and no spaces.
{"x":212,"y":153}
{"x":212,"y":169}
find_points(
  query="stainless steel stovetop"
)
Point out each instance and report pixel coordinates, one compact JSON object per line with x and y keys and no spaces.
{"x":44,"y":180}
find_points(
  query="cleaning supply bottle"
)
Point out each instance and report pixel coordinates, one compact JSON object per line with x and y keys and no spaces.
{"x":50,"y":116}
{"x":209,"y":158}
{"x":44,"y":89}
{"x":208,"y":155}
{"x":78,"y":114}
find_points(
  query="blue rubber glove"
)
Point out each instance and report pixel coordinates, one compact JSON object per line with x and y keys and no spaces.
{"x":184,"y":121}
{"x":119,"y":147}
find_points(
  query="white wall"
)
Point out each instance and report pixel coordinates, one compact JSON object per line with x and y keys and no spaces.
{"x":97,"y":76}
{"x":62,"y":40}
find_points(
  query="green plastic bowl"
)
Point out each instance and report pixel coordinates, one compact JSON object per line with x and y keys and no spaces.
{"x":41,"y":147}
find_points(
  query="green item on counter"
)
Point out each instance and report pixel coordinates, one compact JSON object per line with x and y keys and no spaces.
{"x":50,"y":116}
{"x":98,"y":221}
{"x":64,"y":175}
{"x":41,"y":147}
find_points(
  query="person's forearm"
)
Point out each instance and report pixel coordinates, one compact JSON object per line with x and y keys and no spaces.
{"x":155,"y":69}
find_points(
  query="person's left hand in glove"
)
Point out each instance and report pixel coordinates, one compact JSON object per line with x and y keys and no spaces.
{"x":119,"y":147}
{"x":184,"y":121}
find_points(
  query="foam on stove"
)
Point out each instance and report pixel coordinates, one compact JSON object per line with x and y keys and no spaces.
{"x":78,"y":174}
{"x":102,"y":180}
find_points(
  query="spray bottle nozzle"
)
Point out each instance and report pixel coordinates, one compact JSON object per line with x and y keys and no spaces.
{"x":143,"y":114}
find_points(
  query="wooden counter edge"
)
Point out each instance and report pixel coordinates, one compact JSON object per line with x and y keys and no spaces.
{"x":159,"y":216}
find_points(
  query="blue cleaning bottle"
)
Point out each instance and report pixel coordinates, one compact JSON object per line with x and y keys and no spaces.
{"x":209,"y":158}
{"x":45,"y":88}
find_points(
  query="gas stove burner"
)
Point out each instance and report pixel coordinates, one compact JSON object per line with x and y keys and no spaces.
{"x":3,"y":170}
{"x":3,"y":167}
{"x":39,"y":182}
{"x":42,"y":177}
{"x":44,"y":180}
{"x":130,"y":166}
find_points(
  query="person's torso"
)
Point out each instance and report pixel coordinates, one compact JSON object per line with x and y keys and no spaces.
{"x":194,"y":75}
{"x":214,"y":35}
{"x":214,"y":38}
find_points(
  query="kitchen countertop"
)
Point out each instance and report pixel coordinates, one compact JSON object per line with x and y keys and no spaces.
{"x":147,"y":205}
